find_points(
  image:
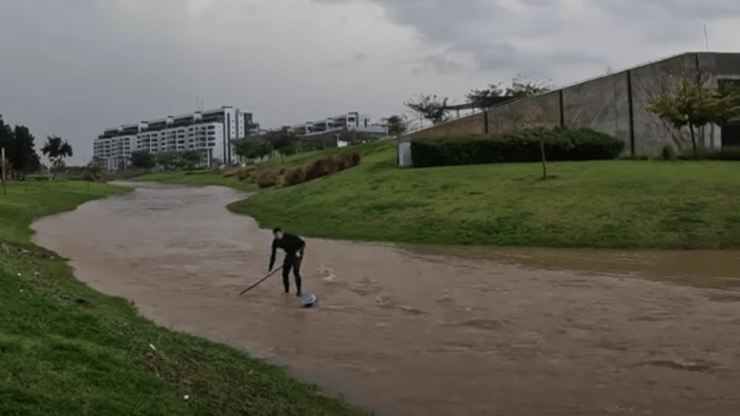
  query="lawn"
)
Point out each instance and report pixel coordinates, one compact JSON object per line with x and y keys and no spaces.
{"x":205,"y":177}
{"x":69,"y":350}
{"x":606,"y":204}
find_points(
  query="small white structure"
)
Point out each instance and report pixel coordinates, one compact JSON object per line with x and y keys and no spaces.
{"x":404,"y":154}
{"x":209,"y":132}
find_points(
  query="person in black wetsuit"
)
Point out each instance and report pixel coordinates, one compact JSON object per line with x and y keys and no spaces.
{"x":293,"y":247}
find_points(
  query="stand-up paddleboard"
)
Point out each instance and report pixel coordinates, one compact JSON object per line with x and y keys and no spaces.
{"x":309,"y":299}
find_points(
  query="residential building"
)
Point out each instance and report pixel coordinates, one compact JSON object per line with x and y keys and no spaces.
{"x":352,"y":121}
{"x":210,"y":133}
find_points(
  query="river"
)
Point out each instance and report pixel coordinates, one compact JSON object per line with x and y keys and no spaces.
{"x":425,"y":330}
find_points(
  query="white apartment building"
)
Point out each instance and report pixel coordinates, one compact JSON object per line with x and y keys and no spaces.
{"x":210,"y":133}
{"x":352,"y":121}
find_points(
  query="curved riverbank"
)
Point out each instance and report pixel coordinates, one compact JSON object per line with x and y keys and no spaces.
{"x":601,"y":204}
{"x":69,"y":349}
{"x":516,"y":331}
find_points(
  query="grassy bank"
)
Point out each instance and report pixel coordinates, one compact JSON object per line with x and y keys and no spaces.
{"x":609,"y":204}
{"x":195,"y":178}
{"x":69,"y":350}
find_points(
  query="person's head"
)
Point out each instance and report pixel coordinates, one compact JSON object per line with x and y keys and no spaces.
{"x":278,"y":233}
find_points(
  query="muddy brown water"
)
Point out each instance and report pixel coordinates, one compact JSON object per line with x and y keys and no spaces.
{"x":425,"y":331}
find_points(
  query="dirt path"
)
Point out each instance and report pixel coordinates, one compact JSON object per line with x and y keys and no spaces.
{"x":423,"y":334}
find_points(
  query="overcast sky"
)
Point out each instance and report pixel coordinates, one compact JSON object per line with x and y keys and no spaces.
{"x":75,"y":67}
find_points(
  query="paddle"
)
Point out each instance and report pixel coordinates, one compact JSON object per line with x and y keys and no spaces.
{"x":261,"y":280}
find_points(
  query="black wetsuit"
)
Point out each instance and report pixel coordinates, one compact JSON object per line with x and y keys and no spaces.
{"x":291,"y":244}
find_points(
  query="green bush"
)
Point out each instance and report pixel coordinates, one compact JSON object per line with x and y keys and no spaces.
{"x":87,"y":176}
{"x":519,"y":146}
{"x":732,"y":153}
{"x":667,"y":153}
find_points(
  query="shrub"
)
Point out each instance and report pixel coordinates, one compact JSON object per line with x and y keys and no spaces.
{"x":229,"y":173}
{"x":242,"y":174}
{"x":354,"y":159}
{"x":312,"y":170}
{"x":340,"y":163}
{"x":327,"y":166}
{"x":295,"y":176}
{"x":731,"y":153}
{"x":519,"y":146}
{"x":667,"y":153}
{"x":267,"y":178}
{"x":637,"y":157}
{"x":87,"y":176}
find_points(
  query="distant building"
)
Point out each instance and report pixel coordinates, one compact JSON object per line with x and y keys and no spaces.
{"x":210,"y":133}
{"x":352,"y":121}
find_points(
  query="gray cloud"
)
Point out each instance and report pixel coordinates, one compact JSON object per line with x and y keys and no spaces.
{"x":353,"y":60}
{"x":485,"y":31}
{"x":75,"y":67}
{"x":502,"y":38}
{"x":633,"y":11}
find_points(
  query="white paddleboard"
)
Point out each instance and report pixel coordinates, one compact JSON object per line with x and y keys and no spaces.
{"x":309,"y":299}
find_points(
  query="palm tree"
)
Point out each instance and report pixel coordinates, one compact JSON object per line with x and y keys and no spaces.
{"x":57,"y":151}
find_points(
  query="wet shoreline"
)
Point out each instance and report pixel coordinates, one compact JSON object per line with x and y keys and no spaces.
{"x":411,"y":330}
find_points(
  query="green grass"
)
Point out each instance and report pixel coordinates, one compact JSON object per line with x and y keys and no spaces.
{"x":195,"y":178}
{"x":66,"y":349}
{"x":607,"y":204}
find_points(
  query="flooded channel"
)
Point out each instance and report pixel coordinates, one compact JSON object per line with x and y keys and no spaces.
{"x":427,"y":331}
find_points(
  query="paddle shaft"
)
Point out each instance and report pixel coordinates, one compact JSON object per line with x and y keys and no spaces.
{"x":261,"y":280}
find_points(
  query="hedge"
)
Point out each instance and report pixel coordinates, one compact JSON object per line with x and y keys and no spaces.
{"x":519,"y":146}
{"x":285,"y":176}
{"x":731,"y":153}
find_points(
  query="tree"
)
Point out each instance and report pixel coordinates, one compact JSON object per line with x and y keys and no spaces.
{"x":253,"y":148}
{"x":184,"y":159}
{"x":95,"y":167}
{"x":24,"y":157}
{"x":57,"y":151}
{"x":430,"y":107}
{"x":189,"y":159}
{"x":6,"y":134}
{"x":142,"y":159}
{"x":283,"y":140}
{"x":521,"y":88}
{"x":695,"y":104}
{"x":396,"y":125}
{"x":19,"y":149}
{"x":167,"y":160}
{"x":485,"y":98}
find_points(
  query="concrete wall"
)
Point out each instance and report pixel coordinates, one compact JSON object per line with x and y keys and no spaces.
{"x":543,"y":110}
{"x":601,"y":104}
{"x":612,"y":104}
{"x":473,"y":124}
{"x":648,"y":83}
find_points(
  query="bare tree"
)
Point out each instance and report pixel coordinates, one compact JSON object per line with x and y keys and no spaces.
{"x":430,"y":107}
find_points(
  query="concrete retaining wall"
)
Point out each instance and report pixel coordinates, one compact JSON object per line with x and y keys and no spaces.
{"x":612,"y":104}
